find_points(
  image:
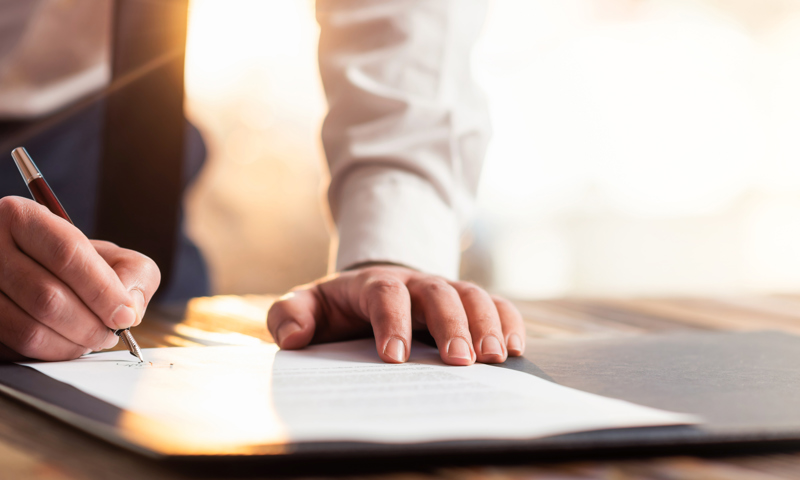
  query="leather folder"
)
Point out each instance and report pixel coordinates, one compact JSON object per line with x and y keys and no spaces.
{"x":745,"y":385}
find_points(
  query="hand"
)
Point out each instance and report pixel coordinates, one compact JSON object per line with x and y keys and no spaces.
{"x":390,"y":301}
{"x":61,"y":293}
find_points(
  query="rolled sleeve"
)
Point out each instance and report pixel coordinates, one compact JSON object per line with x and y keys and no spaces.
{"x":406,"y":129}
{"x":388,"y":215}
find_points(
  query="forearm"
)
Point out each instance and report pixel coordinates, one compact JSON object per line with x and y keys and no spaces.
{"x":406,"y":130}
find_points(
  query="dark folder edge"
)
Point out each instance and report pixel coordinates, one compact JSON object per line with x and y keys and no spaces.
{"x":100,"y":419}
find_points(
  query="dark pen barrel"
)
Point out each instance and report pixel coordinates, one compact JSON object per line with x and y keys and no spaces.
{"x":43,"y":194}
{"x":37,"y":185}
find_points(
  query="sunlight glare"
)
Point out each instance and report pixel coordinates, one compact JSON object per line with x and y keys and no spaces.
{"x":227,"y":41}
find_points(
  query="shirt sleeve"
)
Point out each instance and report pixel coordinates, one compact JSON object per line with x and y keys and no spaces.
{"x":406,"y":130}
{"x":52,"y":53}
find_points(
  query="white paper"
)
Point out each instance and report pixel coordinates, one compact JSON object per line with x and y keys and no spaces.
{"x":257,"y":395}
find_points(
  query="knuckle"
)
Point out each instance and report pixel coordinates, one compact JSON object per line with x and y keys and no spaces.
{"x":97,"y":335}
{"x":436,"y":286}
{"x":32,"y":340}
{"x":64,"y":255}
{"x":385,"y":286}
{"x":147,"y":270}
{"x":12,"y":209}
{"x":381,"y":294}
{"x":471,"y":291}
{"x":48,"y":303}
{"x":11,"y":204}
{"x":150,"y":269}
{"x":502,"y":302}
{"x":105,"y":244}
{"x":364,"y":275}
{"x":98,"y":298}
{"x":99,"y":293}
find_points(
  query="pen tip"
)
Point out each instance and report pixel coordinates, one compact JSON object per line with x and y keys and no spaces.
{"x":133,"y":347}
{"x":136,"y":352}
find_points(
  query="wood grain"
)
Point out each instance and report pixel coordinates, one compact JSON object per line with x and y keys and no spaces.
{"x":34,"y":446}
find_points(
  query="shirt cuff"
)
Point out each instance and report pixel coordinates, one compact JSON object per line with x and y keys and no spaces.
{"x":390,"y":215}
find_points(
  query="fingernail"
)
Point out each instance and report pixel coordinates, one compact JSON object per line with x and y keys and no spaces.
{"x":138,"y":303}
{"x":515,"y":344}
{"x":123,"y":317}
{"x":286,"y":330}
{"x":491,"y":346}
{"x":459,"y":349}
{"x":395,"y":349}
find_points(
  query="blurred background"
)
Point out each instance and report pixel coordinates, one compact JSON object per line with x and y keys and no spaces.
{"x":641,"y":147}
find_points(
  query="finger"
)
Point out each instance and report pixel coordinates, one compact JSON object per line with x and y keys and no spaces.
{"x":484,"y":323}
{"x":47,"y":300}
{"x":440,"y":307}
{"x":513,"y":326}
{"x":137,"y":272}
{"x":385,"y":301}
{"x":292,"y":319}
{"x":63,"y":250}
{"x":31,"y":339}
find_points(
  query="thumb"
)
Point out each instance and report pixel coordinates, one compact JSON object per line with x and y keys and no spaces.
{"x":291,"y":320}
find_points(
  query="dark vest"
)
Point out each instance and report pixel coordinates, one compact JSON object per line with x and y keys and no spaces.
{"x":120,"y":161}
{"x":140,"y":187}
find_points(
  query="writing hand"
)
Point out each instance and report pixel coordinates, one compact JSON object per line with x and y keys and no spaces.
{"x":60,"y":292}
{"x":390,"y":301}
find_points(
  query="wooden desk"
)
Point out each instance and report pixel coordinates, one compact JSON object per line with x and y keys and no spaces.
{"x":34,"y":446}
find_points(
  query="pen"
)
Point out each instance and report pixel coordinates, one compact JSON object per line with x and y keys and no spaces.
{"x":44,"y":195}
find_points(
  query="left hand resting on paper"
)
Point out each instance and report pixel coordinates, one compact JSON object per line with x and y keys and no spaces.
{"x":390,"y":301}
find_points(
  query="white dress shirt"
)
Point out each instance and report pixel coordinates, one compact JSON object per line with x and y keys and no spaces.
{"x":52,"y":52}
{"x":404,"y":138}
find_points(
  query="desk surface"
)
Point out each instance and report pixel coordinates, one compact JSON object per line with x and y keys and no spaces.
{"x":33,"y":445}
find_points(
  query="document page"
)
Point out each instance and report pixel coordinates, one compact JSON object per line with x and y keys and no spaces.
{"x":248,"y":395}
